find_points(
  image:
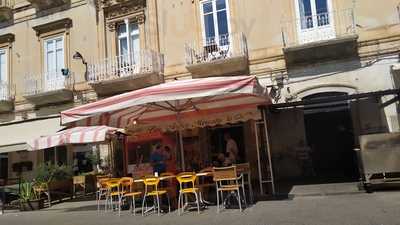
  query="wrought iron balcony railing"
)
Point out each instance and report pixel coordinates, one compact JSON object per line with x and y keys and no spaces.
{"x":49,"y":82}
{"x":6,"y":92}
{"x":216,"y":48}
{"x":319,"y":27}
{"x":137,"y":64}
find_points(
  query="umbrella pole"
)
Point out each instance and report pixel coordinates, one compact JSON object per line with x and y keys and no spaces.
{"x":182,"y":151}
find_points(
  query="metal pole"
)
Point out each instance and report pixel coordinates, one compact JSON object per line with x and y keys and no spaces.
{"x":182,"y":151}
{"x":258,"y":158}
{"x":3,"y":196}
{"x":268,"y":150}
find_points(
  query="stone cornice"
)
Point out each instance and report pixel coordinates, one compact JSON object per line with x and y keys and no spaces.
{"x":55,"y":25}
{"x":7,"y":38}
{"x":117,"y":9}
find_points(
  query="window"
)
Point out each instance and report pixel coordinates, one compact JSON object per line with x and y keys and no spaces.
{"x":215,"y":22}
{"x":54,"y":62}
{"x":57,"y":154}
{"x":128,"y":41}
{"x":315,"y":21}
{"x":3,"y":66}
{"x":313,"y":13}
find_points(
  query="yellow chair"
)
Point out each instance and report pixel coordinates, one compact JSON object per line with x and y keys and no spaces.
{"x":187,"y":186}
{"x":113,"y":191}
{"x":226,"y":180}
{"x":42,"y":188}
{"x":101,"y":189}
{"x":127,"y":191}
{"x":151,"y":190}
{"x":79,"y":181}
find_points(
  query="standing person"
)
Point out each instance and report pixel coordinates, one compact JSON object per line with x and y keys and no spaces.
{"x":157,"y":159}
{"x":231,"y":151}
{"x":169,"y":159}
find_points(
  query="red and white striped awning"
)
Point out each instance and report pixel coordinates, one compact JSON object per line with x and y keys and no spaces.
{"x":76,"y":135}
{"x":183,"y":101}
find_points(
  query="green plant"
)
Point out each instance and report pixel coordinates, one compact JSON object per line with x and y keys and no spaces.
{"x":26,"y":192}
{"x":93,"y":158}
{"x":45,"y":173}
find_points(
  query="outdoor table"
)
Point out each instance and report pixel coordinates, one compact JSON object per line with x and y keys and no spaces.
{"x":161,"y":179}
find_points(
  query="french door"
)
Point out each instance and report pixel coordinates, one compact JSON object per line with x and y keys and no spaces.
{"x":129,"y":48}
{"x":54,"y":62}
{"x":4,"y":89}
{"x":315,"y":20}
{"x":215,"y":19}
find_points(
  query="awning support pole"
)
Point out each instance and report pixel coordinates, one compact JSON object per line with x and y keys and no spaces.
{"x":264,"y":115}
{"x":258,"y":158}
{"x":182,"y":151}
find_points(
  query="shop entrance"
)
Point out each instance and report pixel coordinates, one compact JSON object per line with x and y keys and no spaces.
{"x":330,"y":136}
{"x":4,"y":166}
{"x":218,"y":142}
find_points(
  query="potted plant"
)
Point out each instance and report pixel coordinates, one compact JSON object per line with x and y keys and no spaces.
{"x":58,"y":179}
{"x":28,"y":199}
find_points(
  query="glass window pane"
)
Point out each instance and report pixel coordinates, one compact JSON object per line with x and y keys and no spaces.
{"x":123,"y":46}
{"x":322,"y":12}
{"x":305,"y":12}
{"x":51,"y":63}
{"x":59,"y":43}
{"x":59,"y":60}
{"x":50,"y":46}
{"x":222,"y":23}
{"x":134,"y":29}
{"x":122,"y":29}
{"x":49,"y":155}
{"x":209,"y":26}
{"x":61,"y":155}
{"x":322,"y":6}
{"x":221,"y":4}
{"x":207,"y":7}
{"x":3,"y":66}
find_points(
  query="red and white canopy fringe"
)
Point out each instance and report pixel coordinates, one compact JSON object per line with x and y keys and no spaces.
{"x":76,"y":135}
{"x":176,"y":105}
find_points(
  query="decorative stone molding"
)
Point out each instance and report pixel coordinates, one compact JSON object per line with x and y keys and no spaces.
{"x":7,"y":38}
{"x":116,"y":9}
{"x":47,"y":4}
{"x":138,"y":18}
{"x":6,"y":10}
{"x":56,"y":25}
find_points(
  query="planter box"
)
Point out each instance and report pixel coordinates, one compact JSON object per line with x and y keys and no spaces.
{"x":32,"y":205}
{"x":63,"y":186}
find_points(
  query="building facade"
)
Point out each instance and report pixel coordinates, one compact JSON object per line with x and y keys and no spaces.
{"x":55,"y":55}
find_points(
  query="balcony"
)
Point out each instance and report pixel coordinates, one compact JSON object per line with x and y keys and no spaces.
{"x":6,"y":98}
{"x":48,"y":4}
{"x":53,"y":88}
{"x":6,"y":10}
{"x":218,"y":56}
{"x":321,"y":37}
{"x":124,"y":73}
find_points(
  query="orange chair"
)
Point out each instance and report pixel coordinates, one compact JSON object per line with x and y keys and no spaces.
{"x":187,"y":186}
{"x":151,"y":190}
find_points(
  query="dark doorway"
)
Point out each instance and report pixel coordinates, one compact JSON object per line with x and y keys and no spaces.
{"x":330,"y":135}
{"x":4,"y":166}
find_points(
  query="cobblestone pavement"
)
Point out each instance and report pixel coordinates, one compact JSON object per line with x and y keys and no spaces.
{"x":380,"y":208}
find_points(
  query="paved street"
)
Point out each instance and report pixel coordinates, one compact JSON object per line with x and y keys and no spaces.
{"x":347,"y":209}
